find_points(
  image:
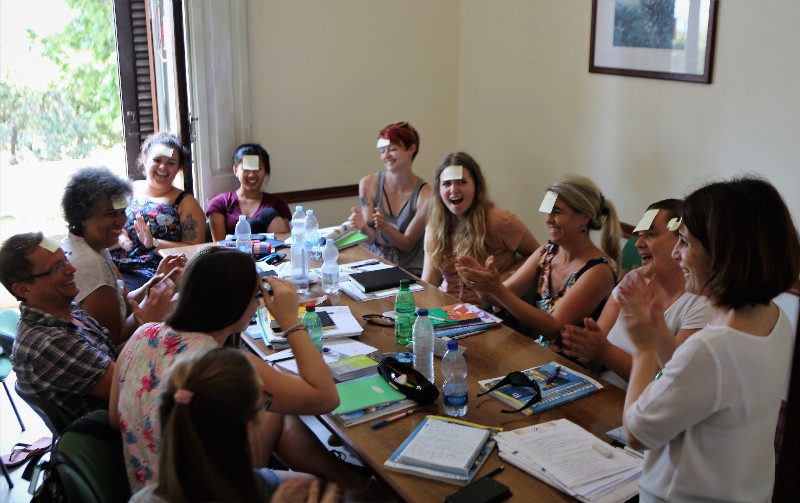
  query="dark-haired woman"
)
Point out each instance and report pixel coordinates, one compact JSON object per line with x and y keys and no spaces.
{"x":94,"y":206}
{"x":394,"y":202}
{"x":217,"y":296}
{"x":160,"y":215}
{"x":707,"y":422}
{"x":265,"y":212}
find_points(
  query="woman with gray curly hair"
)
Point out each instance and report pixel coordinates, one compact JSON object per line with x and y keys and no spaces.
{"x":94,"y":205}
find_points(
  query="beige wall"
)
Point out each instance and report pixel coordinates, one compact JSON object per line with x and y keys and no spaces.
{"x":327,"y":76}
{"x":508,"y":82}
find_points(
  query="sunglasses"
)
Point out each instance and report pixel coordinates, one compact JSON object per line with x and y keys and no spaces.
{"x":378,"y":319}
{"x":519,"y":380}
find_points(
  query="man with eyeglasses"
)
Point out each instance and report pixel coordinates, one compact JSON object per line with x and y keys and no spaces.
{"x":61,"y":354}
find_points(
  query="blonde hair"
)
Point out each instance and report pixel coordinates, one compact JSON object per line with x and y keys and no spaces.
{"x":205,"y":454}
{"x":445,"y":234}
{"x":582,"y":195}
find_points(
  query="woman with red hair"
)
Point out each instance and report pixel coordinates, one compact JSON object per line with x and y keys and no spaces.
{"x":394,"y":202}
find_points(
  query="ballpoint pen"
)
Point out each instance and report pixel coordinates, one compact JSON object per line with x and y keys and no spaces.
{"x":554,"y":375}
{"x":290,"y":356}
{"x":392,"y":419}
{"x":365,"y":264}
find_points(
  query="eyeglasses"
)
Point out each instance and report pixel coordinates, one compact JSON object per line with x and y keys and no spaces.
{"x":518,"y":379}
{"x":56,"y":269}
{"x":378,"y":319}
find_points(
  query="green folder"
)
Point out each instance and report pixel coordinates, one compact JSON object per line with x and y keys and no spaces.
{"x":369,"y":391}
{"x":350,"y":240}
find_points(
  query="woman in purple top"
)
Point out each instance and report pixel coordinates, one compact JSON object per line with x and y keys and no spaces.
{"x":265,"y":212}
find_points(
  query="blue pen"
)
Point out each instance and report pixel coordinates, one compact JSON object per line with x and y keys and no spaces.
{"x":554,"y":375}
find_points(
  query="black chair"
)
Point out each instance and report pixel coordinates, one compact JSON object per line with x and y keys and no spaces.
{"x":54,"y":417}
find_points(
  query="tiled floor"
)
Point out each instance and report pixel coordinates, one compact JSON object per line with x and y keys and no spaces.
{"x":10,"y":434}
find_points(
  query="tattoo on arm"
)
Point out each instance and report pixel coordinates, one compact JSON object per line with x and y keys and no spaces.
{"x":363,"y":201}
{"x":189,"y":228}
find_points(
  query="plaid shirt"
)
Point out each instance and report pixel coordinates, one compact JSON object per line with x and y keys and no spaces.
{"x":59,"y":361}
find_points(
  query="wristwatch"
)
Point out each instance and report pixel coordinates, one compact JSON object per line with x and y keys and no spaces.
{"x":156,"y":243}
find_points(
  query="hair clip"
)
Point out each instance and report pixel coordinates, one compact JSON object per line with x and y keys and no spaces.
{"x":183,"y":396}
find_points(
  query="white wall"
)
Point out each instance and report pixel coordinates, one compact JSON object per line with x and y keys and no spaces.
{"x":508,"y":82}
{"x":327,"y":76}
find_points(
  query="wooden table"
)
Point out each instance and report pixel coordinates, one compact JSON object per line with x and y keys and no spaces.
{"x":492,"y":353}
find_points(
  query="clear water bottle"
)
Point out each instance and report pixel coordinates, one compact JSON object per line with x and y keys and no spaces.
{"x":313,"y":325}
{"x":330,"y":269}
{"x":404,"y":308}
{"x":241,"y":234}
{"x":454,"y":381}
{"x":312,"y":236}
{"x":299,"y":256}
{"x":298,"y":221}
{"x":423,"y":344}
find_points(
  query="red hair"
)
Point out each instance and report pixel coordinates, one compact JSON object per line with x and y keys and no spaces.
{"x":401,"y":133}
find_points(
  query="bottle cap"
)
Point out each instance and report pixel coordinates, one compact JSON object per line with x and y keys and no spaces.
{"x":329,"y":242}
{"x":311,"y":307}
{"x":422,"y":312}
{"x":309,"y":212}
{"x":242,"y":217}
{"x":404,"y":283}
{"x":452,"y":345}
{"x":298,"y":208}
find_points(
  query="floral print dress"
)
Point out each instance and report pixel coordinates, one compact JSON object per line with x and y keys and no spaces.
{"x":142,"y":365}
{"x":165,"y":223}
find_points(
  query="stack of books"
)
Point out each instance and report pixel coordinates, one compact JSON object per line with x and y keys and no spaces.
{"x":445,"y":449}
{"x":344,"y":324}
{"x":461,"y":320}
{"x":571,"y":459}
{"x":366,"y":398}
{"x":557,"y":383}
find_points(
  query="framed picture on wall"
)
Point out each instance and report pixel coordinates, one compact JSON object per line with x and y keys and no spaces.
{"x":658,"y":39}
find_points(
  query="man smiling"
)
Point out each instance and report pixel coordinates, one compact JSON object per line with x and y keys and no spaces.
{"x":61,"y":354}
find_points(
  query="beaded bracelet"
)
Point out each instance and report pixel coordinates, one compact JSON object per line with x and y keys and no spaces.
{"x":294,"y":328}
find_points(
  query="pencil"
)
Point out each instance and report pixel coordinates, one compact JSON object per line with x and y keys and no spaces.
{"x":392,"y":419}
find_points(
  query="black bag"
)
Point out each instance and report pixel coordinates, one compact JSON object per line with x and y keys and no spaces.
{"x":417,"y":387}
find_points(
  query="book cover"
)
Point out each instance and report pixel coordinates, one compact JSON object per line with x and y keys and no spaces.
{"x":369,"y":391}
{"x":350,"y":240}
{"x":371,"y":413}
{"x":453,"y":315}
{"x":444,"y":446}
{"x":568,"y":385}
{"x":445,"y":475}
{"x":370,"y":281}
{"x":352,"y":367}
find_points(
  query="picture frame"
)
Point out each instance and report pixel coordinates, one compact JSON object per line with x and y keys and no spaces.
{"x":657,"y":39}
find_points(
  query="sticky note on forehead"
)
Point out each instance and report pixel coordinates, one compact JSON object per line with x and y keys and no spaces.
{"x":452,"y":173}
{"x":250,"y":162}
{"x":646,"y":221}
{"x":119,"y":202}
{"x":548,"y":202}
{"x":161,"y":149}
{"x":383,"y":142}
{"x":674,"y":224}
{"x":49,"y":244}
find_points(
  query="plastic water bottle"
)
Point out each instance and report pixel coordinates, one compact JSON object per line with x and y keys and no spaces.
{"x":312,"y":236}
{"x":404,"y":308}
{"x":454,"y":385}
{"x":299,"y":256}
{"x":242,"y":235}
{"x":299,"y":220}
{"x":423,"y":345}
{"x":330,"y":269}
{"x":313,"y":325}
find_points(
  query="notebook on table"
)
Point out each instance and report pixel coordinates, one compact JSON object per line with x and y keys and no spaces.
{"x":371,"y":281}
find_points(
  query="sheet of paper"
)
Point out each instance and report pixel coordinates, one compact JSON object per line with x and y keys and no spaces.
{"x":337,"y":350}
{"x":353,"y":291}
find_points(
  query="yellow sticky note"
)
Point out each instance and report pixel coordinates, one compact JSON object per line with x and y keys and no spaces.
{"x":548,"y":202}
{"x":119,"y":202}
{"x":250,"y":163}
{"x":674,"y":224}
{"x":646,"y":221}
{"x":49,"y":244}
{"x":452,"y":173}
{"x":161,"y":149}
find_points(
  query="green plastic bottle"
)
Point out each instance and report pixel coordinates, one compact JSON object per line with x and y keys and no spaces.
{"x":404,"y":309}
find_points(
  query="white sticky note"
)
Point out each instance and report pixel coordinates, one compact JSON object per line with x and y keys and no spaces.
{"x":548,"y":202}
{"x":383,"y":142}
{"x":452,"y":173}
{"x":119,"y":202}
{"x":250,"y":162}
{"x":161,"y":149}
{"x":50,"y":244}
{"x":674,"y":224}
{"x":646,"y":221}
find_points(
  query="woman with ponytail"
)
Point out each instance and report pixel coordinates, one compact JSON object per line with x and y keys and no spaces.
{"x":569,"y":276}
